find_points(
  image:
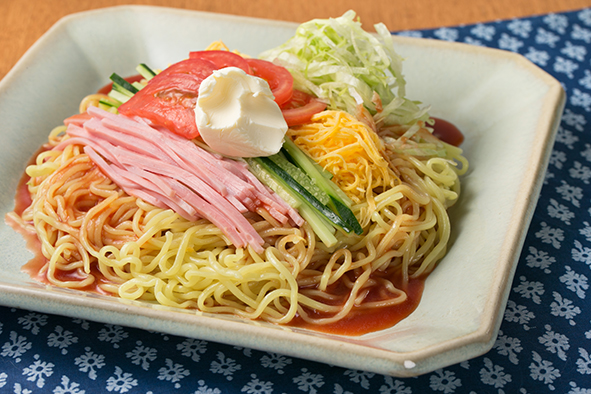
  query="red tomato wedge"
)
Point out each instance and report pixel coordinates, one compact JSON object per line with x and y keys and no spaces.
{"x":169,"y":98}
{"x":198,"y":67}
{"x":300,"y":108}
{"x":222,"y":59}
{"x":77,"y":119}
{"x":298,"y":99}
{"x":279,"y":79}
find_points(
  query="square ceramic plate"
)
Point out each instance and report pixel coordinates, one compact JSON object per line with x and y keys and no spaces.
{"x":507,"y":108}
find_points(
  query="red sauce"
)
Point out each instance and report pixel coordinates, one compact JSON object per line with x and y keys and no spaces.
{"x":447,"y":132}
{"x":23,"y":197}
{"x":79,"y":276}
{"x":36,"y":264}
{"x":36,"y":267}
{"x":359,"y":321}
{"x":21,"y":202}
{"x":363,"y":321}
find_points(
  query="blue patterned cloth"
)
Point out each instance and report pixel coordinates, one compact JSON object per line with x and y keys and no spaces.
{"x":545,"y":340}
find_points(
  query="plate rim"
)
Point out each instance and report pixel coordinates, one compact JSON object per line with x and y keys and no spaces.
{"x":480,"y":340}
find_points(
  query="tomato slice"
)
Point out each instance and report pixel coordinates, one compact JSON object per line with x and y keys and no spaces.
{"x":77,"y":119}
{"x":279,"y":79}
{"x":198,"y":67}
{"x":169,"y":98}
{"x":222,"y":59}
{"x":300,"y":108}
{"x":298,"y":99}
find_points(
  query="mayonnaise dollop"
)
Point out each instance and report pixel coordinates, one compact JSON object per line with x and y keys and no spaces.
{"x":237,"y":116}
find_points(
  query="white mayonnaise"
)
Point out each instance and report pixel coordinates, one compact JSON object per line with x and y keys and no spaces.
{"x":237,"y":116}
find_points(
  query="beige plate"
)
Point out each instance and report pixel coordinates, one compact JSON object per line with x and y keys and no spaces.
{"x":507,"y":107}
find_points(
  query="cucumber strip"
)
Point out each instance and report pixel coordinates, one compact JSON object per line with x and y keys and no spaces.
{"x":112,"y":110}
{"x":347,"y":215}
{"x":123,"y":83}
{"x":338,"y":199}
{"x":328,"y":175}
{"x":300,"y":177}
{"x":145,"y":71}
{"x":122,"y":98}
{"x":118,"y":88}
{"x":320,"y":225}
{"x":265,"y":177}
{"x":311,"y":168}
{"x":138,"y":85}
{"x":306,"y":196}
{"x":294,"y":150}
{"x":110,"y":103}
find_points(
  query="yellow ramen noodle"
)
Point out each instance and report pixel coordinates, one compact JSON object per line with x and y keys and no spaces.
{"x":96,"y":237}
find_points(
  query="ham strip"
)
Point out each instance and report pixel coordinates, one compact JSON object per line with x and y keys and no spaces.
{"x":171,"y":192}
{"x":136,"y":186}
{"x":169,"y":171}
{"x":185,"y":154}
{"x":208,"y":165}
{"x":267,"y":194}
{"x":118,"y":145}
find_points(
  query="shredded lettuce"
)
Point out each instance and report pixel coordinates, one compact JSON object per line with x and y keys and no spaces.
{"x":342,"y":64}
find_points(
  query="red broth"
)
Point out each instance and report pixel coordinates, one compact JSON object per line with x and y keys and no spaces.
{"x":447,"y":132}
{"x":363,"y":321}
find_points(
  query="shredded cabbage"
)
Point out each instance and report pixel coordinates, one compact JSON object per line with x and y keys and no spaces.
{"x":342,"y":64}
